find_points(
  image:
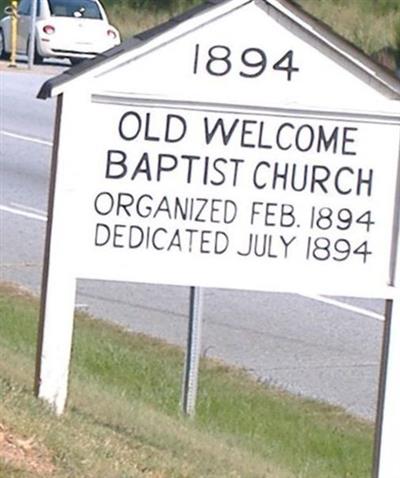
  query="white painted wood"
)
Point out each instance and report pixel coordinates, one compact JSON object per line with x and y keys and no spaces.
{"x":387,"y":463}
{"x":112,"y":242}
{"x":203,"y":114}
{"x":55,"y":351}
{"x":325,"y":78}
{"x":59,"y":274}
{"x":267,"y":11}
{"x":387,"y":428}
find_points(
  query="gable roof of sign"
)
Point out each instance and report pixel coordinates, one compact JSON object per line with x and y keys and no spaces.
{"x":378,"y":73}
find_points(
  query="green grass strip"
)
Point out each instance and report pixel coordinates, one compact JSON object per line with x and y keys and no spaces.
{"x":123,"y":416}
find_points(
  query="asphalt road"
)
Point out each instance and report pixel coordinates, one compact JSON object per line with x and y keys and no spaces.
{"x":324,"y":348}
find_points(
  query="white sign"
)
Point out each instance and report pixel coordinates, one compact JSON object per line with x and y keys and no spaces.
{"x":242,"y":145}
{"x":234,"y":198}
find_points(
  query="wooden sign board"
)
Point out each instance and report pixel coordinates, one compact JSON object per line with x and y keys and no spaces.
{"x":232,"y":197}
{"x":241,"y":145}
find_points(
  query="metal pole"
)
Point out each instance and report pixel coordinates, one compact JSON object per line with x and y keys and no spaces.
{"x":31,"y":46}
{"x":14,"y":26}
{"x":191,"y":372}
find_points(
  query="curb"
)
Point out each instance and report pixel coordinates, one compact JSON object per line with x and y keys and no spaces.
{"x":22,"y":67}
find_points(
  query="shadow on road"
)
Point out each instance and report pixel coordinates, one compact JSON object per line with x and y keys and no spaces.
{"x":48,"y":67}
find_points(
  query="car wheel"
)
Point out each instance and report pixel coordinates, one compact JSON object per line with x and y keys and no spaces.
{"x":75,"y":61}
{"x":37,"y":58}
{"x":3,"y":54}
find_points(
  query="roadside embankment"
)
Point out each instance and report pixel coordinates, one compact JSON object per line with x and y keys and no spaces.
{"x":123,"y":416}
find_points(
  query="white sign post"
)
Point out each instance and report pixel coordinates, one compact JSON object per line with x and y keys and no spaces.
{"x":386,"y":461}
{"x":201,"y":157}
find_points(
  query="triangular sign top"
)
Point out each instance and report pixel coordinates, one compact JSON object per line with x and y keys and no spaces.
{"x":261,"y":52}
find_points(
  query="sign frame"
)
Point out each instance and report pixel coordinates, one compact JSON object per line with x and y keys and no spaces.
{"x":59,"y":281}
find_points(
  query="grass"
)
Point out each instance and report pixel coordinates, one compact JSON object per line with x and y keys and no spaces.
{"x":133,"y":17}
{"x":370,"y":24}
{"x":123,"y":416}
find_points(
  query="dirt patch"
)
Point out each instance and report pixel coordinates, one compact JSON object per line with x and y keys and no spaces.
{"x":24,"y":453}
{"x":16,"y":290}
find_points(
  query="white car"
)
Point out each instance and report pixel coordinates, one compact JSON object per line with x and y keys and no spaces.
{"x":74,"y":29}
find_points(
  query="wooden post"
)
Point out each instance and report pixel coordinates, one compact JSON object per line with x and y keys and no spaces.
{"x":57,"y":306}
{"x":387,"y":426}
{"x":387,"y":438}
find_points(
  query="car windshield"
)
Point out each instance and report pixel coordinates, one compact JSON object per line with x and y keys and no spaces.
{"x":75,"y":8}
